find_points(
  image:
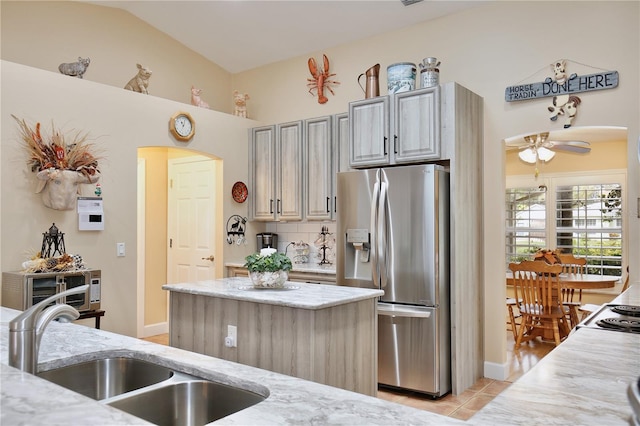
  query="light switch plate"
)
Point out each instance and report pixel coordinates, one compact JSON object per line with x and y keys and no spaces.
{"x":120,"y":249}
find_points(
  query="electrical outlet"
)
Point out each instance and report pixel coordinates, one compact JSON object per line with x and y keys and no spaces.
{"x":120,"y":249}
{"x":231,"y":341}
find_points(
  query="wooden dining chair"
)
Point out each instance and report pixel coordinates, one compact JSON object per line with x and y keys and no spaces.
{"x":538,"y":285}
{"x":514,"y":318}
{"x":572,"y":265}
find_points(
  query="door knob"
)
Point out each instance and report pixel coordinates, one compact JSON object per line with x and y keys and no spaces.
{"x":208,"y":258}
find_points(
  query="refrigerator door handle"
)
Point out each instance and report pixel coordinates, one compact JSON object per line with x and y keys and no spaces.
{"x":382,"y":235}
{"x":404,"y":311}
{"x":374,"y":233}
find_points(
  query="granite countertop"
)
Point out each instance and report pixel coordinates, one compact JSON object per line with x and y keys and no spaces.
{"x":295,"y":295}
{"x":311,"y":267}
{"x":27,"y":399}
{"x":582,"y":381}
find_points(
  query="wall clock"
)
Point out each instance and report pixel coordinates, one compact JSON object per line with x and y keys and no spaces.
{"x":182,"y":126}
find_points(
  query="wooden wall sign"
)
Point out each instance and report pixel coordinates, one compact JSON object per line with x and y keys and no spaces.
{"x":563,"y":89}
{"x":574,"y":84}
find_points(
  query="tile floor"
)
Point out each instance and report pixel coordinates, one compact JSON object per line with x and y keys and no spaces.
{"x":466,"y":404}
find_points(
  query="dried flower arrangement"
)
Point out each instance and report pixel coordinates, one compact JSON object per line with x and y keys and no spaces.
{"x":56,"y":152}
{"x":63,"y":263}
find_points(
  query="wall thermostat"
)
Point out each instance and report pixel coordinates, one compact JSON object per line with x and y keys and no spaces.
{"x":90,"y":214}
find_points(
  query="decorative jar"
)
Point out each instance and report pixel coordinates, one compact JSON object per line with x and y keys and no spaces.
{"x":275,"y":279}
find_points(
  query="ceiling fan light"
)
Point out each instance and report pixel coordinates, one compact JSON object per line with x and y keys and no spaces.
{"x":528,"y":155}
{"x":545,"y":154}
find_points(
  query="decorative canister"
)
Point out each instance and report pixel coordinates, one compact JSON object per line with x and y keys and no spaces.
{"x":429,"y":78}
{"x":401,"y":77}
{"x":429,"y":72}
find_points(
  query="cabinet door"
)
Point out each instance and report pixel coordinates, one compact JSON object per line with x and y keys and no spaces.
{"x":289,"y":171}
{"x":369,"y":132}
{"x":340,"y":153}
{"x":318,"y":168}
{"x":262,"y":164}
{"x":416,"y":125}
{"x":341,"y":142}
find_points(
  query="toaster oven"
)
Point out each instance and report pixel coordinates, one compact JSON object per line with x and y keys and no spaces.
{"x":21,"y":290}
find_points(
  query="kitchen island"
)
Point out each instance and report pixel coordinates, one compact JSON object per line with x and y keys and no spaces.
{"x":323,"y":333}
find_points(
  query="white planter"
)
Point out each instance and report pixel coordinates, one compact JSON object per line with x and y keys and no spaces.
{"x":269,"y":279}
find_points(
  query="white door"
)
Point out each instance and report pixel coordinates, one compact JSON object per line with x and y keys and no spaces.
{"x":190,"y":219}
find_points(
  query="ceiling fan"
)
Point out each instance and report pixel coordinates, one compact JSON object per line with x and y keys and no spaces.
{"x":539,"y":147}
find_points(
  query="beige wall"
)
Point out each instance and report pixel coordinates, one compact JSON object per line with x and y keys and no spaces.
{"x":44,"y":34}
{"x":485,"y":49}
{"x":155,"y":244}
{"x":121,"y":121}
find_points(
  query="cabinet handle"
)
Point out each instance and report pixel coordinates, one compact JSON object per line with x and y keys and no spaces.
{"x":335,"y":201}
{"x":271,"y":206}
{"x":395,"y":144}
{"x":385,"y":145}
{"x":328,"y":204}
{"x":278,"y":207}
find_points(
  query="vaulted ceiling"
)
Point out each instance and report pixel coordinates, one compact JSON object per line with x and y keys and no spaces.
{"x":241,"y":35}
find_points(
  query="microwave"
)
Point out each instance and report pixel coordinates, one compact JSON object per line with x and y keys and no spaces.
{"x":21,"y":290}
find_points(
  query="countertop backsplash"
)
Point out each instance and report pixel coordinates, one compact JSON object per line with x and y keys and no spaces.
{"x":309,"y":232}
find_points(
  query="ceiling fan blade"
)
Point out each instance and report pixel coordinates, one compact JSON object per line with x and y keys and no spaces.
{"x":572,"y":146}
{"x":516,"y":144}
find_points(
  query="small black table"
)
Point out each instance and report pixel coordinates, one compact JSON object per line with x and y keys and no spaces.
{"x":92,"y":314}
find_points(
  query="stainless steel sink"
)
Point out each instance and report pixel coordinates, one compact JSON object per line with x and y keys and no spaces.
{"x":153,"y":392}
{"x":105,"y":378}
{"x":189,"y":403}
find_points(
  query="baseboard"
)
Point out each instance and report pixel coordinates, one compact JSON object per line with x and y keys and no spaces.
{"x":155,"y":329}
{"x":496,"y":371}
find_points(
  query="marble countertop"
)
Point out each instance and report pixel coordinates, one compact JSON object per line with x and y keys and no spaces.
{"x":311,"y":267}
{"x":296,"y":295}
{"x":582,"y":381}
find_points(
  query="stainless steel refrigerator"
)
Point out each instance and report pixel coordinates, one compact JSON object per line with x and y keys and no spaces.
{"x":393,"y":234}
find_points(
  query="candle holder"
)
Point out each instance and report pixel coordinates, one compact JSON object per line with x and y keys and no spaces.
{"x":52,"y":243}
{"x":324,"y":243}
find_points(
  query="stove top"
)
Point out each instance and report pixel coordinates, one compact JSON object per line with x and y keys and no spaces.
{"x":614,"y":317}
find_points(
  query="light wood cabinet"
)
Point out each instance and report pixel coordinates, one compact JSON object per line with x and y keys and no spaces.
{"x":341,"y":142}
{"x":293,"y":166}
{"x":275,"y":172}
{"x":442,"y":124}
{"x":318,"y":152}
{"x":396,"y":129}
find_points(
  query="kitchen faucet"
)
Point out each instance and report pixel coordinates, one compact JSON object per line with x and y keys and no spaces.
{"x":25,"y":330}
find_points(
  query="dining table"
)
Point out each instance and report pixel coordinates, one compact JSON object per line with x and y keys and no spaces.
{"x":580,"y":281}
{"x":577,"y":282}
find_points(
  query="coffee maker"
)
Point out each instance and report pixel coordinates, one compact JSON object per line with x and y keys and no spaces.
{"x":267,"y":239}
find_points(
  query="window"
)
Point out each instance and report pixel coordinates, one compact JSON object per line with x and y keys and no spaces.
{"x":526,"y":219}
{"x":583,"y":218}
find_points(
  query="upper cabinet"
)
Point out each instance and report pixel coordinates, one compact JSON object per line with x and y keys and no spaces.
{"x":395,"y":129}
{"x":293,"y":166}
{"x":276,"y":159}
{"x":318,"y":152}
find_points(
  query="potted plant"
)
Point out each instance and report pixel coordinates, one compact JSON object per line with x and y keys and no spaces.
{"x":268,"y":269}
